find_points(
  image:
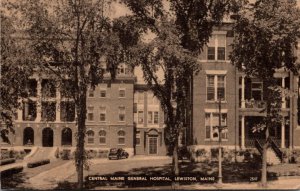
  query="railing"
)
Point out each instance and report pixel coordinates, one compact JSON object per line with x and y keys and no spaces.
{"x":276,"y":149}
{"x":258,"y":146}
{"x":257,"y":104}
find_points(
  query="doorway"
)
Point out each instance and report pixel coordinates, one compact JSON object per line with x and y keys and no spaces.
{"x":47,"y":137}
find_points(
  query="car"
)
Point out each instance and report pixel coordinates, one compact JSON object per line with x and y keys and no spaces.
{"x":117,"y":153}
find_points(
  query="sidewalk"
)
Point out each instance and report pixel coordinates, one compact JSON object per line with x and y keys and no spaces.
{"x":290,"y":183}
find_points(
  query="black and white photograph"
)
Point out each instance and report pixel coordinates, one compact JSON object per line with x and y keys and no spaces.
{"x":150,"y":95}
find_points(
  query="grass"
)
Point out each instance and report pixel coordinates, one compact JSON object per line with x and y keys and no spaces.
{"x":19,"y":180}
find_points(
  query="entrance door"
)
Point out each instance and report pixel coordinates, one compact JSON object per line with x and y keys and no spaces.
{"x":28,"y":136}
{"x":66,"y":137}
{"x":152,"y":145}
{"x":47,"y":137}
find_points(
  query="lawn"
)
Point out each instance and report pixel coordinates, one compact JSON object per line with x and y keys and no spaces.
{"x":19,"y":180}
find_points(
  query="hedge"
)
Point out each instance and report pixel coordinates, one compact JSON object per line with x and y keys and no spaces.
{"x":38,"y":163}
{"x":7,"y":161}
{"x":11,"y":171}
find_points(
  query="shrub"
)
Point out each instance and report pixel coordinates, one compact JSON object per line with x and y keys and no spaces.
{"x":7,"y":161}
{"x":65,"y":155}
{"x":103,"y":153}
{"x":91,"y":154}
{"x":4,"y":154}
{"x":38,"y":163}
{"x":11,"y":171}
{"x":295,"y":158}
{"x":56,"y":154}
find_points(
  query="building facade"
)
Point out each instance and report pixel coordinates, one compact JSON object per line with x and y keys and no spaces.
{"x":242,"y":101}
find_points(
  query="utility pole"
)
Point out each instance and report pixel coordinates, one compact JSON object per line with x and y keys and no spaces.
{"x":220,"y":181}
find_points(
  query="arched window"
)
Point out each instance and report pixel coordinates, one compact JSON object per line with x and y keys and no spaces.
{"x":102,"y":137}
{"x":121,"y":137}
{"x":90,"y":137}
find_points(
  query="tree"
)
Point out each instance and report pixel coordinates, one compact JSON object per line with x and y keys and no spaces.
{"x":181,"y":28}
{"x":15,"y":71}
{"x":68,"y":39}
{"x":265,"y":36}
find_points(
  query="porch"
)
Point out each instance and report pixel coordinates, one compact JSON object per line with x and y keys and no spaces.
{"x":248,"y":136}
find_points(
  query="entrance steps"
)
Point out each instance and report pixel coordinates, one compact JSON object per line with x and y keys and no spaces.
{"x":42,"y":153}
{"x":272,"y":158}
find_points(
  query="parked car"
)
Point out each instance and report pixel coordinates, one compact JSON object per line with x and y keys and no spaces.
{"x":117,"y":153}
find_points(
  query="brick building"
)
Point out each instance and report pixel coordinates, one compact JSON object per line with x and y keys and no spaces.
{"x":149,"y":123}
{"x":241,"y":101}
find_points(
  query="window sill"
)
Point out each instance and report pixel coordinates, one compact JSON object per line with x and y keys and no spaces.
{"x":215,"y":101}
{"x":102,"y":143}
{"x":90,"y":144}
{"x":214,"y":140}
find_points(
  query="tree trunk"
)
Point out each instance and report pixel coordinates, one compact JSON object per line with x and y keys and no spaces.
{"x":175,"y":184}
{"x":81,"y":115}
{"x":264,"y":161}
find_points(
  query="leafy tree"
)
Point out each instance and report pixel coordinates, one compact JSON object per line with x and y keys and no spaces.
{"x":15,"y":71}
{"x":265,"y":36}
{"x":180,"y":28}
{"x":68,"y":39}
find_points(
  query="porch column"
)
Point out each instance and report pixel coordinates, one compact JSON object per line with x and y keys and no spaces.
{"x":283,"y":133}
{"x":39,"y":101}
{"x":58,"y":99}
{"x":243,"y":93}
{"x":283,"y":106}
{"x":243,"y":133}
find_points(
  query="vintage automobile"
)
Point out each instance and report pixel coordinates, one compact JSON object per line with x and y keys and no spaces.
{"x":117,"y":153}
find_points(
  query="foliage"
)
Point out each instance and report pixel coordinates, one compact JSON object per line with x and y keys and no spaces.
{"x":266,"y":35}
{"x":7,"y":161}
{"x":38,"y":163}
{"x":179,"y":29}
{"x":10,"y":171}
{"x":14,"y":63}
{"x":68,"y":39}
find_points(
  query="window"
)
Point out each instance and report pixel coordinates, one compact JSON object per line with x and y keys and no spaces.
{"x":215,"y":87}
{"x":123,"y":69}
{"x":67,"y":89}
{"x":121,"y":137}
{"x":29,"y":111}
{"x":90,"y":114}
{"x":138,"y":138}
{"x":211,"y":53}
{"x":212,"y":124}
{"x":155,"y":117}
{"x":121,"y":93}
{"x":48,"y":111}
{"x":48,"y":88}
{"x":31,"y":86}
{"x":67,"y":111}
{"x":257,"y":90}
{"x":102,"y":137}
{"x":221,"y":87}
{"x":210,"y":87}
{"x":140,"y":117}
{"x":103,"y":93}
{"x":152,"y":117}
{"x":216,"y":48}
{"x":91,"y":93}
{"x":121,"y":113}
{"x":90,"y":137}
{"x":102,"y":113}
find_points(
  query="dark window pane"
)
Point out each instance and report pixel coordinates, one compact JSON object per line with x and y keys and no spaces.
{"x":221,"y":53}
{"x":211,"y":53}
{"x":207,"y":132}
